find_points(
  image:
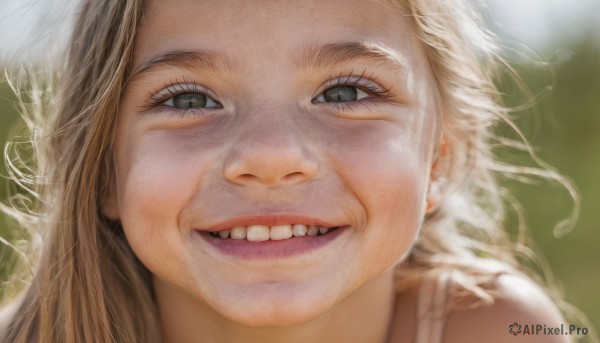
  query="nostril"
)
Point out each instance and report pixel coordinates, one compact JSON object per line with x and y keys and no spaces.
{"x":270,"y":172}
{"x":294,"y":176}
{"x":246,"y":177}
{"x":271,"y":180}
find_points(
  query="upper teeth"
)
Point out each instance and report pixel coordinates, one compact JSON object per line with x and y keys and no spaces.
{"x":276,"y":232}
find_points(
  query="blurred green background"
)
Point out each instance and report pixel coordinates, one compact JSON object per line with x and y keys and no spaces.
{"x":564,"y":128}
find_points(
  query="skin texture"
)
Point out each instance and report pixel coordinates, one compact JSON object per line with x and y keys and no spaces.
{"x":270,"y":147}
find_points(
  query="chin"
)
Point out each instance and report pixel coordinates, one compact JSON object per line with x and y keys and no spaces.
{"x":274,"y":307}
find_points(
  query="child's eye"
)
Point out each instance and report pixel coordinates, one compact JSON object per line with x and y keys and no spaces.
{"x":184,"y":99}
{"x":191,"y":101}
{"x":341,"y":94}
{"x":347,"y":91}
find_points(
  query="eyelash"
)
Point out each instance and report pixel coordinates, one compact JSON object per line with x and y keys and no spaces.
{"x":367,"y":84}
{"x":173,"y":89}
{"x":362,"y":82}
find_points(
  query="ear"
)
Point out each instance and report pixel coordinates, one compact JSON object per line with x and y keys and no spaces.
{"x":437,"y":179}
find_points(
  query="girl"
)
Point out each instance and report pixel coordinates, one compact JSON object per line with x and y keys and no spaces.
{"x":294,"y":171}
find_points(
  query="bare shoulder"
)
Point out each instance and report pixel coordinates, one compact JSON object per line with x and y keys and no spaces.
{"x":7,"y":314}
{"x":519,"y":303}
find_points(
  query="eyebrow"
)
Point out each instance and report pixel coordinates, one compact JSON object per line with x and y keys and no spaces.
{"x":190,"y":60}
{"x":316,"y":56}
{"x":306,"y":57}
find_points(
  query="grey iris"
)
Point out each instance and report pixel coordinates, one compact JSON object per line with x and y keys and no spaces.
{"x":340,"y":94}
{"x":189,"y":100}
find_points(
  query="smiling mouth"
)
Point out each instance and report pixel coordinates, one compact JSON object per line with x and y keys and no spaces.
{"x":259,"y":233}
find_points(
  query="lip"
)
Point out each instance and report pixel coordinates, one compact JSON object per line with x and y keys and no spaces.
{"x":268,"y":220}
{"x":271,"y":249}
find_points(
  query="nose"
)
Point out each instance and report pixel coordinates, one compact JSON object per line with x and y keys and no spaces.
{"x":270,"y":152}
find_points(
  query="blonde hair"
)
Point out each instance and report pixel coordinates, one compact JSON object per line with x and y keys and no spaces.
{"x":88,"y":284}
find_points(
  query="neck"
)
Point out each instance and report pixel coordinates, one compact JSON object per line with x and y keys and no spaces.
{"x":364,"y":316}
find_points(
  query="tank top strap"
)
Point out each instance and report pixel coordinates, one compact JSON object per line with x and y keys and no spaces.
{"x":432,"y":308}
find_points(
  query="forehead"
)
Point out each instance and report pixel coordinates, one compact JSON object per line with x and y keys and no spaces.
{"x":272,"y":31}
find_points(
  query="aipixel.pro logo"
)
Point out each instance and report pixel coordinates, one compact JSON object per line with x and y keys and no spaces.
{"x":542,"y":329}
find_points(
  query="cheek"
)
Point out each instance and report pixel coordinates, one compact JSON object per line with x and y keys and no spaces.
{"x":386,"y":168}
{"x":156,"y":182}
{"x":387,"y":172}
{"x":397,"y":212}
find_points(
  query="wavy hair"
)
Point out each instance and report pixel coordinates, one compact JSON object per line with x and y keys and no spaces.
{"x":87,"y":285}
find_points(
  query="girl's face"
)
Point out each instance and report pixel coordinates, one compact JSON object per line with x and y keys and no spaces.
{"x":287,"y":112}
